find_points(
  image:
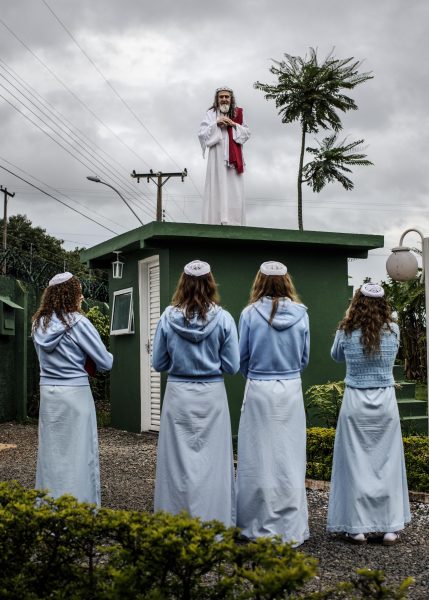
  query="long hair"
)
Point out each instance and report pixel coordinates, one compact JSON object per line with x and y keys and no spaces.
{"x":370,"y":315}
{"x":274,"y":286}
{"x":61,"y":299}
{"x":195,"y":295}
{"x":215,"y":105}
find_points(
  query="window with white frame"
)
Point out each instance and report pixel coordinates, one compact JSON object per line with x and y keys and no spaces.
{"x":122,"y":312}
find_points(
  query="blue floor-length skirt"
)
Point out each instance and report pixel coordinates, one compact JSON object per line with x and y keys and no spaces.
{"x":194,"y":469}
{"x":369,"y":484}
{"x":271,"y":495}
{"x":67,"y":458}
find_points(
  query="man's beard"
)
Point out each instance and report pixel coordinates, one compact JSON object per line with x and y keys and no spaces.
{"x":224,"y":108}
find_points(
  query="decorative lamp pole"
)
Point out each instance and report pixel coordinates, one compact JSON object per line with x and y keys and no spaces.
{"x":402,"y":266}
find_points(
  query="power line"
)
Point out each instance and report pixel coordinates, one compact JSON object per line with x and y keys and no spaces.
{"x":57,"y":199}
{"x":59,"y":192}
{"x":62,"y":124}
{"x":70,"y":91}
{"x":61,"y":137}
{"x":75,"y":96}
{"x":112,"y":87}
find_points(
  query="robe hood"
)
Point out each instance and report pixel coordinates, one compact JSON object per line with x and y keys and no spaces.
{"x":288,"y":312}
{"x":195,"y":330}
{"x":49,"y":339}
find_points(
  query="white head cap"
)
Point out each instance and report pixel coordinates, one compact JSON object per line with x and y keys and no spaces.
{"x":372,"y":290}
{"x":272,"y":267}
{"x":60,"y":278}
{"x":196,"y":268}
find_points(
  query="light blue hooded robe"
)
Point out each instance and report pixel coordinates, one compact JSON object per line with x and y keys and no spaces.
{"x":67,"y":458}
{"x":271,"y":496}
{"x":194,"y":470}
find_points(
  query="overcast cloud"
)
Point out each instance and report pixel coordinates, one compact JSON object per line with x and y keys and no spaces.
{"x":165,"y":59}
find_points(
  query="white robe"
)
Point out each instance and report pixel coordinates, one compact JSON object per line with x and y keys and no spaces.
{"x":194,"y":468}
{"x":223,"y":201}
{"x":369,"y":483}
{"x":271,"y":496}
{"x":67,"y":458}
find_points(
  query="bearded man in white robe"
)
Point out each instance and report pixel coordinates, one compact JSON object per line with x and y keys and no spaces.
{"x":223,"y":131}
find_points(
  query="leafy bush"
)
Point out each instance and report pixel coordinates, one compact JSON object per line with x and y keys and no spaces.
{"x":408,"y":299}
{"x":320,"y":448}
{"x":325,"y":401}
{"x":100,"y":384}
{"x":62,"y":549}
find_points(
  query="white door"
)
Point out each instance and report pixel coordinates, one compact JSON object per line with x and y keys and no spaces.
{"x":149,"y":316}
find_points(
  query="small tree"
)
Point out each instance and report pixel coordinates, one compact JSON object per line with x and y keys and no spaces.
{"x":408,"y":300}
{"x":331,"y":162}
{"x":313,"y":94}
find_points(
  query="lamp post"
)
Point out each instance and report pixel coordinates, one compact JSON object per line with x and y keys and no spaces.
{"x":98,"y":180}
{"x":402,"y":266}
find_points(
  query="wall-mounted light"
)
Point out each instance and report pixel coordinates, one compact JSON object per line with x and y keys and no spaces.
{"x":117,"y":266}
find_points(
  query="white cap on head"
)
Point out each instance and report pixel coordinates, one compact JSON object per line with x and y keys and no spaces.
{"x":196,"y":268}
{"x":60,"y":278}
{"x":372,"y":290}
{"x":273,"y":267}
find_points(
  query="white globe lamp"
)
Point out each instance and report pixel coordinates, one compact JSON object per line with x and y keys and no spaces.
{"x":402,"y":264}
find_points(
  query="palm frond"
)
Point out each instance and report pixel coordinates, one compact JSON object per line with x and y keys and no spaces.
{"x":332,"y":161}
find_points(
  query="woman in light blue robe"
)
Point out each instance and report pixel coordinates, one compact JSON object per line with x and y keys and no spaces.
{"x":68,"y":347}
{"x":274,"y":349}
{"x":369,"y":491}
{"x":196,"y":343}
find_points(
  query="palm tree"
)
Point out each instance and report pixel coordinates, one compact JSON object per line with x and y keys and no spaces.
{"x":331,"y":162}
{"x":312,"y":94}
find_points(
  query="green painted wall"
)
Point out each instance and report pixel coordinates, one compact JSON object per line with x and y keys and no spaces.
{"x":19,"y":373}
{"x":320,"y":279}
{"x":317,"y":262}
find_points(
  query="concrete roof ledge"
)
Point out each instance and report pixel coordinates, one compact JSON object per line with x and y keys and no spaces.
{"x":167,"y":234}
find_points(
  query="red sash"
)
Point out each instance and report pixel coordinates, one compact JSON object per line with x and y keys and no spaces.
{"x":235,"y":153}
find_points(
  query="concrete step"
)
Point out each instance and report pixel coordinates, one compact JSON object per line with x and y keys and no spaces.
{"x":398,"y":372}
{"x":414,"y":425}
{"x":405,"y":389}
{"x":410,"y":407}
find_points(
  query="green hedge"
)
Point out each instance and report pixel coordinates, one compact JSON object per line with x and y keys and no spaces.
{"x":320,"y":447}
{"x":61,"y":549}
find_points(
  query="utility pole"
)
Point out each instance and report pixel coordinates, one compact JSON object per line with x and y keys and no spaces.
{"x":159,"y":183}
{"x":6,"y":194}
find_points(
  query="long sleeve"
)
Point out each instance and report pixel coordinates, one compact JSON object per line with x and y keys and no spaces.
{"x":244,"y":345}
{"x":229,"y":353}
{"x":337,"y":350}
{"x":209,"y":133}
{"x":85,"y":335}
{"x":160,"y":357}
{"x":306,"y":351}
{"x":241,"y":133}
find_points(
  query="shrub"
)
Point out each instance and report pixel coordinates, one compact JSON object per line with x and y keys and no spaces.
{"x":324,"y":401}
{"x":61,"y":549}
{"x":100,"y":384}
{"x":320,"y":448}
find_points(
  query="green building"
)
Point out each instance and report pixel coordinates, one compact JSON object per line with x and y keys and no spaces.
{"x":154,"y":256}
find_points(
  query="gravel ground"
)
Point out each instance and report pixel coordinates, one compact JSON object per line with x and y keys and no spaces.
{"x":127,"y":481}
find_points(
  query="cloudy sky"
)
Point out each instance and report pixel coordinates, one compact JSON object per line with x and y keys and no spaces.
{"x":106,"y":87}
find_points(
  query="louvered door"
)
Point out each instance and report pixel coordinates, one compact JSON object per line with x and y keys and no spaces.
{"x":150,"y":312}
